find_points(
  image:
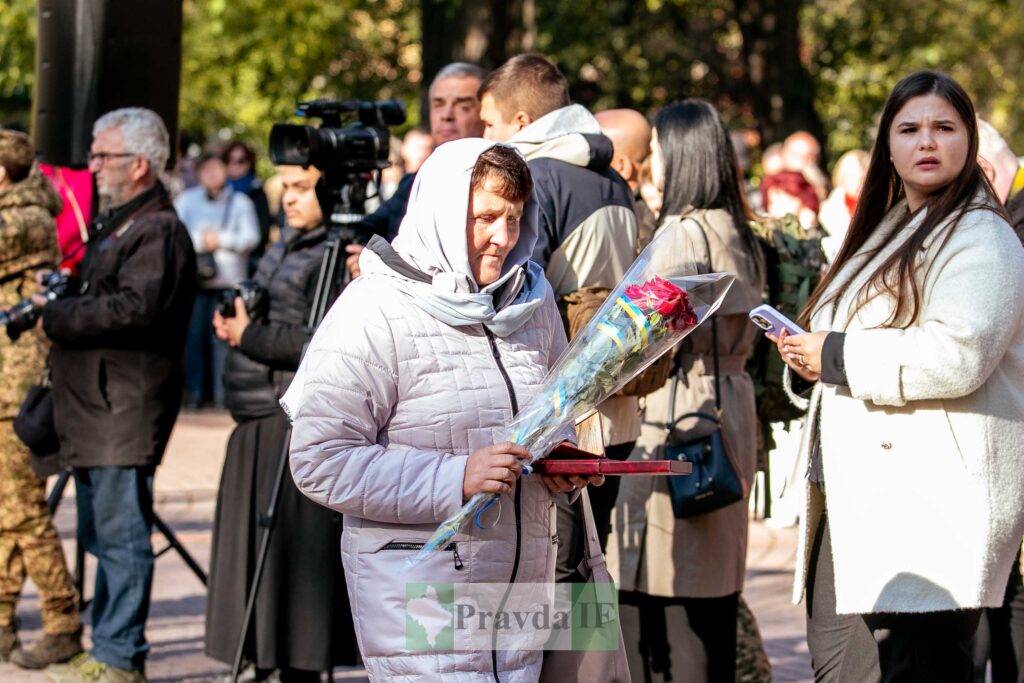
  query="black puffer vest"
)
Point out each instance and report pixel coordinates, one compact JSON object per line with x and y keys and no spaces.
{"x":288,"y":271}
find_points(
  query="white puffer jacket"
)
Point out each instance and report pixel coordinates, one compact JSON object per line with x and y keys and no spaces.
{"x":389,"y":403}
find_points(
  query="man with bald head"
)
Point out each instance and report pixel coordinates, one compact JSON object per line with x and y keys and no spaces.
{"x":630,"y":134}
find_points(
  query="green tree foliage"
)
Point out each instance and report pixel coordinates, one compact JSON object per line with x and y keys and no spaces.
{"x":859,"y":49}
{"x":644,"y":55}
{"x":17,"y":59}
{"x":247,"y":62}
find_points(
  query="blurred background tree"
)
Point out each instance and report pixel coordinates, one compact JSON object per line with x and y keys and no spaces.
{"x":17,"y":60}
{"x":770,"y":65}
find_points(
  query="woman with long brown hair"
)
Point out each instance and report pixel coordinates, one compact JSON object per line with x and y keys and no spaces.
{"x":912,"y":377}
{"x":683,"y":575}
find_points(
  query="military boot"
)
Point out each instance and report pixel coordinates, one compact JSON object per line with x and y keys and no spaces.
{"x":51,"y":649}
{"x":8,"y":641}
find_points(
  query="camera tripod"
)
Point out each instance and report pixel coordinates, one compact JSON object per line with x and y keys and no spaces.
{"x":347,"y":209}
{"x":53,"y":500}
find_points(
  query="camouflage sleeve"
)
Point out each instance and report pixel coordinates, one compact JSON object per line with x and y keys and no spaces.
{"x":28,"y":240}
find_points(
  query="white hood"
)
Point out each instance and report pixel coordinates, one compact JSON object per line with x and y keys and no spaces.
{"x":432,"y":238}
{"x":559,"y":135}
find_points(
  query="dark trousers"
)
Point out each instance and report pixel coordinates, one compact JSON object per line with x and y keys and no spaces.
{"x":115,"y":521}
{"x":1003,"y":639}
{"x":932,"y":647}
{"x":204,"y":353}
{"x":712,"y":620}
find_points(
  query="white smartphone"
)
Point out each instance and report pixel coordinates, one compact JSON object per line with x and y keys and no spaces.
{"x":773,"y":322}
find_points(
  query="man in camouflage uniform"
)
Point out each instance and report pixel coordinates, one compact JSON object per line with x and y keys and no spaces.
{"x":28,"y":542}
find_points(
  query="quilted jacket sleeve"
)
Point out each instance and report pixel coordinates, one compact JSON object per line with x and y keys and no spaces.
{"x":971,"y":311}
{"x":348,"y":393}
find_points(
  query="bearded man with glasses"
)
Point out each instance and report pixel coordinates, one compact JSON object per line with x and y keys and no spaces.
{"x":117,"y":378}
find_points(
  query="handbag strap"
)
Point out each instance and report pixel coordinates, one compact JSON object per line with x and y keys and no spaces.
{"x":592,"y":553}
{"x":714,"y":325}
{"x":227,"y":211}
{"x":669,"y":422}
{"x":593,"y":556}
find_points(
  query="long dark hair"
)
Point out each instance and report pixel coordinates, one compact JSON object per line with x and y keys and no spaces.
{"x":883,"y":188}
{"x":701,"y":171}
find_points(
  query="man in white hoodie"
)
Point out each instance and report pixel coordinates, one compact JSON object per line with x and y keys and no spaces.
{"x":587,"y":228}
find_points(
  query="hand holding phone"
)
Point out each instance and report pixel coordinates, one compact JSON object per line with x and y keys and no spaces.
{"x":773,"y":322}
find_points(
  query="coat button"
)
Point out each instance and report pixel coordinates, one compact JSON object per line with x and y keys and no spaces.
{"x":886,"y":445}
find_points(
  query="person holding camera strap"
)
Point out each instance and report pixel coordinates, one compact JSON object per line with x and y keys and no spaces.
{"x":302,"y":623}
{"x":117,"y":380}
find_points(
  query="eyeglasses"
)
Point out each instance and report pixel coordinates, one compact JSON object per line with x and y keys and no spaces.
{"x":101,"y":157}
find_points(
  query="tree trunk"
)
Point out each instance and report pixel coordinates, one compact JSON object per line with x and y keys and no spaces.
{"x":781,"y":89}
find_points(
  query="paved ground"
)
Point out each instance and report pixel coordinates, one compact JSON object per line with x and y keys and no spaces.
{"x":186,"y":487}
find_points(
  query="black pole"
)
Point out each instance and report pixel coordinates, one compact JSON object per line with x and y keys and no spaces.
{"x":173,"y":542}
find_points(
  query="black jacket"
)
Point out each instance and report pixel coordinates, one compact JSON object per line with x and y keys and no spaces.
{"x":586,"y":225}
{"x":117,"y":352}
{"x":259,"y":370}
{"x":386,"y":220}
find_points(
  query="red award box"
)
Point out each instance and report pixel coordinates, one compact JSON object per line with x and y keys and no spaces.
{"x":567,"y":459}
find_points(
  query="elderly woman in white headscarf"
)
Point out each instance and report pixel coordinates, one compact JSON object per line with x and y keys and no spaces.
{"x":401,"y":407}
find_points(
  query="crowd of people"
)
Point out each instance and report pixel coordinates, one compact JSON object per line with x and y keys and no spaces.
{"x":492,"y":234}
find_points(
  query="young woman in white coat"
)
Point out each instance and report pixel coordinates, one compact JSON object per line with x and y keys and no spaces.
{"x":401,"y":405}
{"x":913,"y":372}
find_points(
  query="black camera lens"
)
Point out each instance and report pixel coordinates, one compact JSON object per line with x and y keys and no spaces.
{"x":226,"y":303}
{"x":21,"y":318}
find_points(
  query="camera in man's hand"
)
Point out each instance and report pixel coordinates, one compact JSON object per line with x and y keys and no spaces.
{"x":253,"y":296}
{"x":23,"y":316}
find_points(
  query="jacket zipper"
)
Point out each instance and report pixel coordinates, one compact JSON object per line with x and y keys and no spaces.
{"x":452,"y":548}
{"x":517,"y":497}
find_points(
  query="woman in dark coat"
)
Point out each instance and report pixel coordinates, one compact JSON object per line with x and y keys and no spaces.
{"x":302,"y":623}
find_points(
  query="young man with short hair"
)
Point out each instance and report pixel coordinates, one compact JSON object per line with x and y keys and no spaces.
{"x":587,"y":228}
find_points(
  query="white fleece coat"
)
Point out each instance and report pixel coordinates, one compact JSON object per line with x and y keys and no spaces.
{"x":922,"y":453}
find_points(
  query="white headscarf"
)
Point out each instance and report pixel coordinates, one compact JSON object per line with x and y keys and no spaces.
{"x":433,"y":239}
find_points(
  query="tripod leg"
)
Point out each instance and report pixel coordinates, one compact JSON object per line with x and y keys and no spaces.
{"x":261,"y":557}
{"x":79,"y":575}
{"x":176,"y":544}
{"x":53,"y":500}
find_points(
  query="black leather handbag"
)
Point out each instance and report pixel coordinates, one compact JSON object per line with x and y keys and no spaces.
{"x":715,"y":481}
{"x":34,"y":426}
{"x":206,"y":264}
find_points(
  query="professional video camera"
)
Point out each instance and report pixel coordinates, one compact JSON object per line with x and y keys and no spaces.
{"x":253,"y":296}
{"x":23,"y":316}
{"x":347,"y":156}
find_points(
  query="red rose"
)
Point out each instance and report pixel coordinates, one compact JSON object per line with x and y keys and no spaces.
{"x":665,"y":298}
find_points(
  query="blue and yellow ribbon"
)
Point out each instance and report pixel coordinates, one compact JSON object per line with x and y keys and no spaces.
{"x":639,"y":319}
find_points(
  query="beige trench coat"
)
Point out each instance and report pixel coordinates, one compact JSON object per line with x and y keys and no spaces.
{"x":649,"y":550}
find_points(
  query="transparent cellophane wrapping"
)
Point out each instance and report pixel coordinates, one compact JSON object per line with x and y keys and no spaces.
{"x":617,"y":344}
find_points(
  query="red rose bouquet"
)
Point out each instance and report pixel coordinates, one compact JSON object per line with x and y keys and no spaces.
{"x":660,"y":300}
